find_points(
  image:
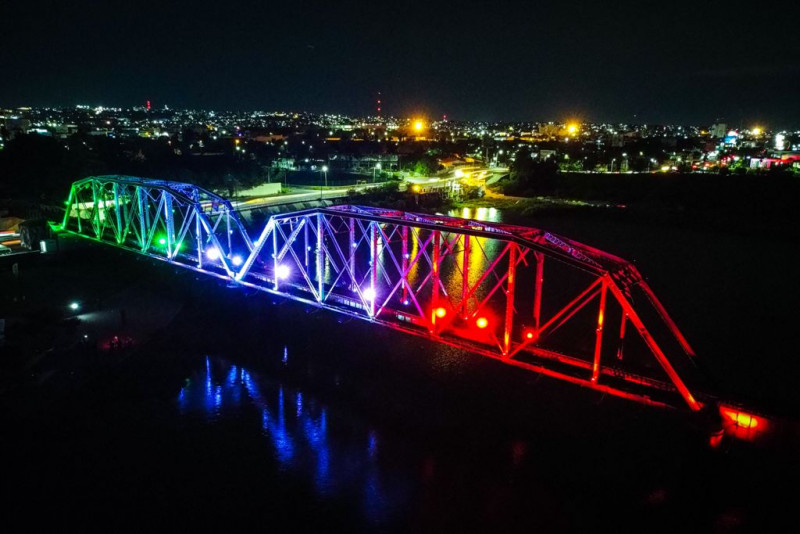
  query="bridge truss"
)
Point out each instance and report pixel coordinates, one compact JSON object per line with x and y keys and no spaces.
{"x":475,"y":285}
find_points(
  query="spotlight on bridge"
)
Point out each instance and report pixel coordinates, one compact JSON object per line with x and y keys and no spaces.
{"x":236,"y":260}
{"x":282,"y":271}
{"x":369,"y":294}
{"x":162,"y":241}
{"x":482,"y":322}
{"x":529,"y":334}
{"x":212,"y":253}
{"x":440,"y":313}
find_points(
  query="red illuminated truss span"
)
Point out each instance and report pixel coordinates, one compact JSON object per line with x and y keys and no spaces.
{"x":472,"y":284}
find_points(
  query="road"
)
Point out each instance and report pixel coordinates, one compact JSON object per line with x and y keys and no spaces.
{"x":305,"y":195}
{"x":474,"y":176}
{"x":471,"y":176}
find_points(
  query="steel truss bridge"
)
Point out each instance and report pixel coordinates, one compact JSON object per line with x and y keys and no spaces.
{"x":521,"y":295}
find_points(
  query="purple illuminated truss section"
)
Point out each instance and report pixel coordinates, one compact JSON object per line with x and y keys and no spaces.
{"x":475,"y":285}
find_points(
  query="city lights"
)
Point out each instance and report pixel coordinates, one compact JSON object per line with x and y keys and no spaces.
{"x":419,"y":125}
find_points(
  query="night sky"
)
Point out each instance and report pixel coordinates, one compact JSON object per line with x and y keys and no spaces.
{"x":643,"y":62}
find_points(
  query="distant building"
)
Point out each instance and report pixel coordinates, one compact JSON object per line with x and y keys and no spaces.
{"x":616,"y":140}
{"x":16,"y":126}
{"x":62,"y":131}
{"x":718,"y":130}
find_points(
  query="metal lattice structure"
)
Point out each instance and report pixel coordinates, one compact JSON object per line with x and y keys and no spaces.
{"x":170,"y":220}
{"x":476,"y":285}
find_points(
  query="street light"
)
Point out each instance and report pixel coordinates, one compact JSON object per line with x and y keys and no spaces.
{"x":325,"y":174}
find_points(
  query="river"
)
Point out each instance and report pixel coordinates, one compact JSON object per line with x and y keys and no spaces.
{"x":249,"y":411}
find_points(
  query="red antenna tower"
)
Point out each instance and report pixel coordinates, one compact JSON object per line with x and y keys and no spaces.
{"x":378,"y":104}
{"x":148,"y":105}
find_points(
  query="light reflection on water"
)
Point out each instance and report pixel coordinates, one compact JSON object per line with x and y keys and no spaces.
{"x":477,"y":214}
{"x":298,"y":430}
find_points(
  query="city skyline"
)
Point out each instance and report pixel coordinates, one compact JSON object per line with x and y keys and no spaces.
{"x":677,"y":63}
{"x":389,"y":121}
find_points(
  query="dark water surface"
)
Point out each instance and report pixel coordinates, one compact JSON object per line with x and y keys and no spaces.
{"x":248,"y":411}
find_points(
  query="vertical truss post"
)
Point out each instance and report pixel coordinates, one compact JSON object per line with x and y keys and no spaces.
{"x":147,"y":212}
{"x":373,"y":265}
{"x":142,"y":224}
{"x":74,"y":191}
{"x":621,"y":345}
{"x":465,"y":278}
{"x":306,"y":246}
{"x":405,"y":262}
{"x":509,"y":322}
{"x":537,"y":292}
{"x":437,"y":236}
{"x":96,"y":214}
{"x":598,"y":345}
{"x":228,"y":230}
{"x":198,"y":233}
{"x":275,"y":259}
{"x":169,"y":220}
{"x":117,"y":214}
{"x":351,"y":245}
{"x":320,"y":260}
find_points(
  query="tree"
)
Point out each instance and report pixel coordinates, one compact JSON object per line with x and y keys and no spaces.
{"x":530,"y":176}
{"x":425,"y":166}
